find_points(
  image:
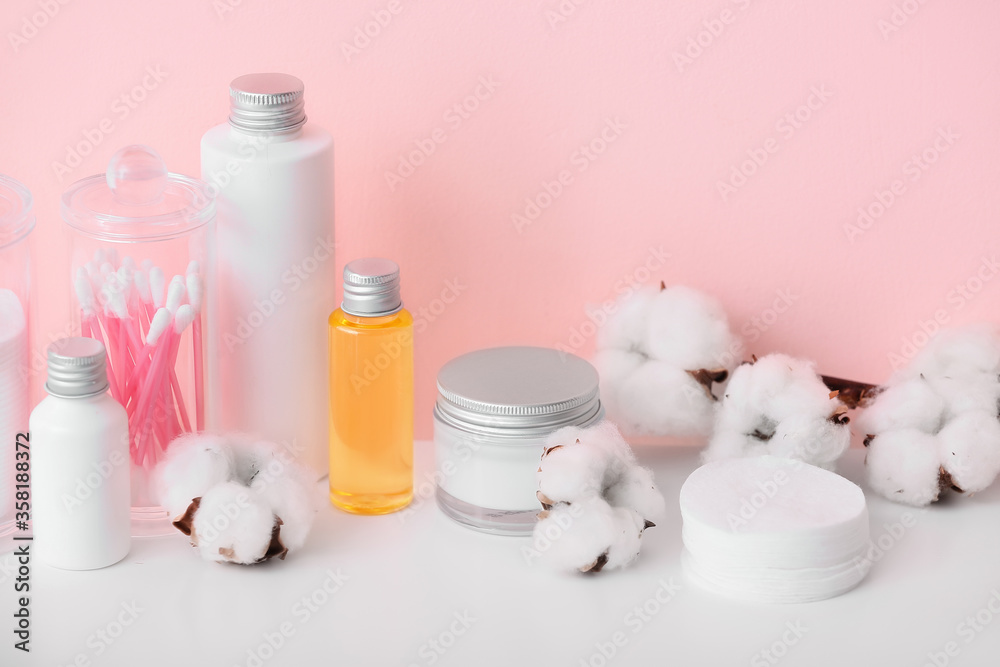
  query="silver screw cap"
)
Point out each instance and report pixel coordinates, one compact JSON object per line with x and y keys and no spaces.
{"x":371,"y":287}
{"x":77,"y":368}
{"x":267,"y":103}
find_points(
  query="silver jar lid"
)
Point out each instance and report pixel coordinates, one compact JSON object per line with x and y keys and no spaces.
{"x":77,"y":368}
{"x":267,"y":102}
{"x":518,"y":392}
{"x":371,"y":288}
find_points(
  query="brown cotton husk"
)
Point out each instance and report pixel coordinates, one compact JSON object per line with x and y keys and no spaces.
{"x":707,"y":377}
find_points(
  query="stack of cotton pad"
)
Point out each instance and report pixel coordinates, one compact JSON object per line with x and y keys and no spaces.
{"x":768,"y":529}
{"x":13,"y":388}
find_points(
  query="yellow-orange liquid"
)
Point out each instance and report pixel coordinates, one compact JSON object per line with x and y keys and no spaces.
{"x":371,"y":412}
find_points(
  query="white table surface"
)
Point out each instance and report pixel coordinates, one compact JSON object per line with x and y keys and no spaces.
{"x":404,"y":584}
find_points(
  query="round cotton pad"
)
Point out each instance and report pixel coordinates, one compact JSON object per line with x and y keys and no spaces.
{"x":769,"y":529}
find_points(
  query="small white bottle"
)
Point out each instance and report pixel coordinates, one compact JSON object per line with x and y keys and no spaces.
{"x":80,"y":477}
{"x":273,"y":177}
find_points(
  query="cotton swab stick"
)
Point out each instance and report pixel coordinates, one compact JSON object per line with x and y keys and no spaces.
{"x":194,"y":290}
{"x":159,"y":325}
{"x":185,"y":317}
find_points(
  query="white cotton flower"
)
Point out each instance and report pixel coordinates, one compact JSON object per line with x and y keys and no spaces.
{"x":779,"y":406}
{"x":597,"y":500}
{"x":658,"y":356}
{"x":240,"y":500}
{"x":936,"y":424}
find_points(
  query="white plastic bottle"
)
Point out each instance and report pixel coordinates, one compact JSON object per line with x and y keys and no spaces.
{"x":80,"y":476}
{"x":273,"y":174}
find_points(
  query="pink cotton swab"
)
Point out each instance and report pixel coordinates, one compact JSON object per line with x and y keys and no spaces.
{"x":194,"y":290}
{"x":157,"y":327}
{"x":162,"y":366}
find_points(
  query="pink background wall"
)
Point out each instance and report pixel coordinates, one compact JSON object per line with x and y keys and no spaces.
{"x":683,"y":94}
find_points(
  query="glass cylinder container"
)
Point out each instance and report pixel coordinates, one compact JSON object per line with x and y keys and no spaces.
{"x":17,"y":219}
{"x":141,"y":254}
{"x":495,"y":408}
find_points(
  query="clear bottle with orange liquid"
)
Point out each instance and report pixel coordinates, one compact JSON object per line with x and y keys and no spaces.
{"x":371,"y":392}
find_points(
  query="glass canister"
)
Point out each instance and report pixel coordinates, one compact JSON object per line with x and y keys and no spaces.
{"x":141,"y":253}
{"x":17,"y":219}
{"x":495,"y":408}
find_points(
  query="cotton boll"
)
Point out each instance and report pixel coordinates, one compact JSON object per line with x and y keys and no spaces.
{"x":232,"y":525}
{"x":958,"y":353}
{"x":687,"y":329}
{"x":573,"y":537}
{"x":970,"y":450}
{"x":598,"y":499}
{"x":905,"y":466}
{"x":581,"y":462}
{"x":193,"y":464}
{"x":627,"y":538}
{"x":636,"y":490}
{"x":778,"y":406}
{"x":980,"y":392}
{"x":820,"y":442}
{"x":731,"y":444}
{"x":284,"y":486}
{"x":781,"y":386}
{"x":660,"y":399}
{"x":626,"y":327}
{"x":910,"y":404}
{"x":572,"y":472}
{"x":590,"y":536}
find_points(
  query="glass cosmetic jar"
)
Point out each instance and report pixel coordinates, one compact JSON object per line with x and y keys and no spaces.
{"x":494,"y":410}
{"x":141,"y":255}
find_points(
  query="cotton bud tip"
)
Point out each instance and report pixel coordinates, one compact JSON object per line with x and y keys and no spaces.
{"x":158,"y":325}
{"x":175,"y":293}
{"x":157,"y":283}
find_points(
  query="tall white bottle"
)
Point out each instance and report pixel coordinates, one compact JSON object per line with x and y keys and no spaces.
{"x":273,"y":174}
{"x":80,"y":475}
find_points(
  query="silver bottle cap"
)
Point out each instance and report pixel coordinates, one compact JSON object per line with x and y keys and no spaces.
{"x":518,"y":392}
{"x":77,"y":368}
{"x":371,"y":287}
{"x":267,"y":103}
